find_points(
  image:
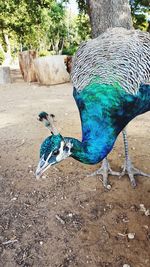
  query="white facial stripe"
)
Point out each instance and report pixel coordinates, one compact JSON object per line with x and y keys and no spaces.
{"x":48,"y":157}
{"x":62,"y":153}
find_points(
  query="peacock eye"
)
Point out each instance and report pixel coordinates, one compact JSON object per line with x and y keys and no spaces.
{"x":66,"y":148}
{"x":56,"y":152}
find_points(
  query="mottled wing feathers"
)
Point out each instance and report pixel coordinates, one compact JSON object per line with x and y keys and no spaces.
{"x":117,"y":56}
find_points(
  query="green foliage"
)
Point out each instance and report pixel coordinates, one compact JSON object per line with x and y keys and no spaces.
{"x":1,"y":57}
{"x":83,"y":6}
{"x":83,"y":26}
{"x":43,"y":53}
{"x":47,"y":26}
{"x":140,"y":9}
{"x":32,"y":23}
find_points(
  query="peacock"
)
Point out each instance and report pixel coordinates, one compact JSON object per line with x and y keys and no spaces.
{"x":110,"y":77}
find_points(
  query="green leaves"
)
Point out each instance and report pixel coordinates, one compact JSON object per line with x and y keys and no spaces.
{"x":140,"y":9}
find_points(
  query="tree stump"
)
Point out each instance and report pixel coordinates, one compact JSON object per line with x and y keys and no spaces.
{"x":26,"y":65}
{"x":51,"y":70}
{"x":68,"y":60}
{"x":5,"y":75}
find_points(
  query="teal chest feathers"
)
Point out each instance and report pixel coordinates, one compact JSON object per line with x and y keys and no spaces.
{"x":105,"y":110}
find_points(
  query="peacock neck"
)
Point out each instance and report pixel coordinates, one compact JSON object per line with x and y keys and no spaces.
{"x":104,"y":113}
{"x":104,"y":110}
{"x":94,"y":146}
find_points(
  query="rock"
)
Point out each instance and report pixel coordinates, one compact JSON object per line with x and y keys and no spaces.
{"x":131,"y":235}
{"x":5,"y":75}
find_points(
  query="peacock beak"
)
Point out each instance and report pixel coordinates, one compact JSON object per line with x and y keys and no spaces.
{"x":42,"y":167}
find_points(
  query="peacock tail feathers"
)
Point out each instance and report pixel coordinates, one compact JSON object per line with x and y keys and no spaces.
{"x":118,"y":56}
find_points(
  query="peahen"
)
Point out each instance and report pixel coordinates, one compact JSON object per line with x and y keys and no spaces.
{"x":110,"y":77}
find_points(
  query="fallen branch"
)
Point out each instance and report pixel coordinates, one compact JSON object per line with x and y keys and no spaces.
{"x":60,"y":219}
{"x":10,"y":242}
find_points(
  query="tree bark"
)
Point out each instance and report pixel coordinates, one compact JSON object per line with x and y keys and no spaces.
{"x":108,"y":13}
{"x":51,"y":70}
{"x":6,"y":54}
{"x":26,"y":65}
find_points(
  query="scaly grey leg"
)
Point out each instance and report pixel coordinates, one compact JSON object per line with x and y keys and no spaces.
{"x":104,"y":171}
{"x":128,"y":167}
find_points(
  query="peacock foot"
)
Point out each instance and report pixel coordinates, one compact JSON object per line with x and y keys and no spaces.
{"x":104,"y":171}
{"x":130,"y":170}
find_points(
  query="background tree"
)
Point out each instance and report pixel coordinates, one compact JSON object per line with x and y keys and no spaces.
{"x":106,"y":13}
{"x":31,"y":24}
{"x":109,"y":13}
{"x":49,"y":27}
{"x":140,"y":10}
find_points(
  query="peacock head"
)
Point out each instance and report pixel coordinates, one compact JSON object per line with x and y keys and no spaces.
{"x":54,"y":149}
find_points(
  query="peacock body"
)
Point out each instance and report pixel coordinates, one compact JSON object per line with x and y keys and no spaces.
{"x":110,"y":77}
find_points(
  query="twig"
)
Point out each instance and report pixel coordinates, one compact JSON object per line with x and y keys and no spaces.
{"x":9,"y":242}
{"x":60,"y":219}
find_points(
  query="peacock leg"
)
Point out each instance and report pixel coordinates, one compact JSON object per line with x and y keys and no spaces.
{"x":104,"y":171}
{"x":128,"y":167}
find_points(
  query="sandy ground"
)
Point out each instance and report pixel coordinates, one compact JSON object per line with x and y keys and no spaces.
{"x":66,"y":219}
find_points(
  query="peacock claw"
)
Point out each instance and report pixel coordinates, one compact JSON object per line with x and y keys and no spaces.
{"x":130,"y":170}
{"x":104,"y":171}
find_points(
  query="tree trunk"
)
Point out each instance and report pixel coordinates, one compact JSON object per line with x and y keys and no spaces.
{"x":7,"y":54}
{"x":108,"y":13}
{"x":26,"y":65}
{"x":8,"y":57}
{"x":51,"y":70}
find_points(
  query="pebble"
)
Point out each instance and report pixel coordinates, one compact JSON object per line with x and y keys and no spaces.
{"x":131,"y":235}
{"x":143,"y":209}
{"x":147,"y":213}
{"x":13,"y":199}
{"x":108,"y":186}
{"x":126,"y":265}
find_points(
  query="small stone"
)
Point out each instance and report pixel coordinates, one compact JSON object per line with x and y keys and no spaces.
{"x":126,"y":265}
{"x":108,"y":186}
{"x":41,"y":243}
{"x":13,"y":199}
{"x":145,"y":226}
{"x":142,"y":207}
{"x":131,"y":235}
{"x":147,"y":213}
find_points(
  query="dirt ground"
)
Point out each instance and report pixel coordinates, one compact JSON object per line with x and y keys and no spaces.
{"x":67,"y":219}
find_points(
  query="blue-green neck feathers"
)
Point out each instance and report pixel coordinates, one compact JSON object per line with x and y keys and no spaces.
{"x":104,"y":110}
